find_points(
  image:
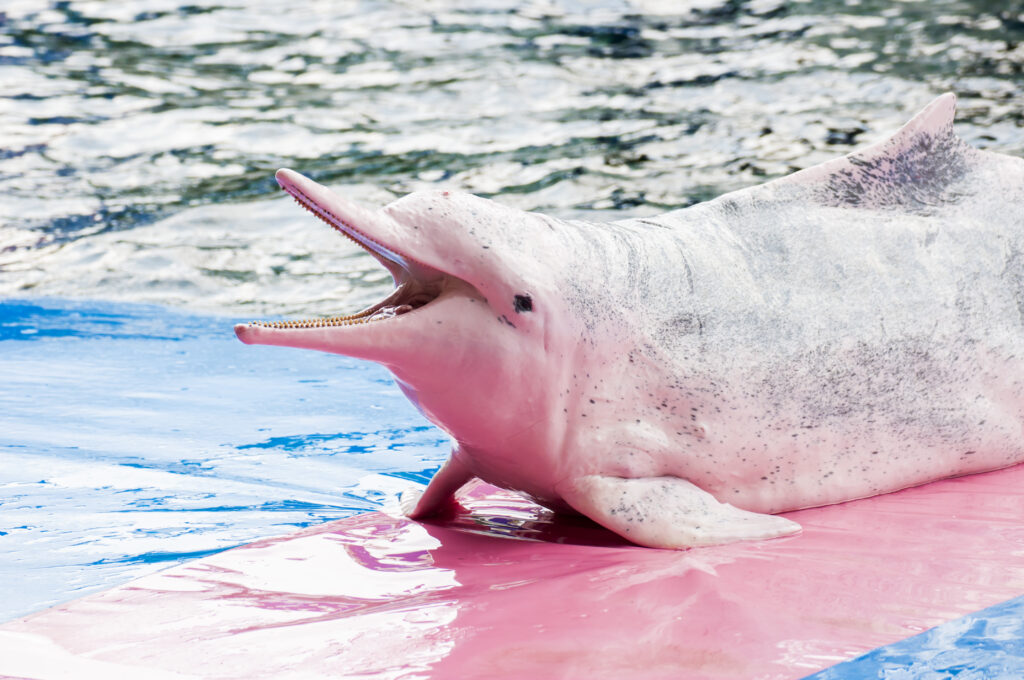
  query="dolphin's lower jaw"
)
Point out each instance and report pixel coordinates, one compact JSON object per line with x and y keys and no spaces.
{"x":407,"y":296}
{"x":391,"y":331}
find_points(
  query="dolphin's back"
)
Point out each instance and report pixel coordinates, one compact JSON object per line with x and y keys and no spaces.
{"x":919,"y":235}
{"x":867,"y":309}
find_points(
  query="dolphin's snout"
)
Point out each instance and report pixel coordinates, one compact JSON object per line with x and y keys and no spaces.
{"x":243,"y":332}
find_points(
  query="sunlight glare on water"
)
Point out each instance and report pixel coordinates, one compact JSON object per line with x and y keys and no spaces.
{"x":138,"y":140}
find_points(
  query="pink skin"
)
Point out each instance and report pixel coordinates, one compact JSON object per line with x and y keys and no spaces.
{"x":471,"y":295}
{"x":846,"y":331}
{"x":481,"y":335}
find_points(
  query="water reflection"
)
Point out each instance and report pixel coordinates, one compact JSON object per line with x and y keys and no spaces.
{"x":468,"y":596}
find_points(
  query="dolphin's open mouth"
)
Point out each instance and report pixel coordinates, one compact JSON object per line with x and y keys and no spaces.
{"x":416,"y":284}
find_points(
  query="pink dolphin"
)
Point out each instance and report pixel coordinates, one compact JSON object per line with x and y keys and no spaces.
{"x":849,"y":330}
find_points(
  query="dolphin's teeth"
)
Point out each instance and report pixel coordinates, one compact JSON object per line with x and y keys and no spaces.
{"x":316,"y":213}
{"x":351,"y":320}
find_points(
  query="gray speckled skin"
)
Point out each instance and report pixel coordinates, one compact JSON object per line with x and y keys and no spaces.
{"x":853,"y":329}
{"x":850,"y":330}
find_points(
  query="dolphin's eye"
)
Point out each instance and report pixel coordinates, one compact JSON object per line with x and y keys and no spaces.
{"x":523,"y":303}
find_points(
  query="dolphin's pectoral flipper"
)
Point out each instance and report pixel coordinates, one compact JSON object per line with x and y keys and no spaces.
{"x":439,"y":492}
{"x":668,"y":512}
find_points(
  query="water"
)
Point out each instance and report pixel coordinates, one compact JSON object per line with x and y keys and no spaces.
{"x":138,"y":142}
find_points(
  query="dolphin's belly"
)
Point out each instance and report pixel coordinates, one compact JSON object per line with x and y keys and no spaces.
{"x":856,"y":417}
{"x":788,"y":465}
{"x":777,"y":441}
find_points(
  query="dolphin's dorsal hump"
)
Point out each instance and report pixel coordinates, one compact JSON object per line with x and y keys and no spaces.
{"x":914,"y":169}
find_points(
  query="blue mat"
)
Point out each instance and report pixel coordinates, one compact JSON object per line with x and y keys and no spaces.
{"x":988,"y":644}
{"x":134,"y":437}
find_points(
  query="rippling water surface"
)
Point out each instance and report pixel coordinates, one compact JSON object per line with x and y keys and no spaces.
{"x":138,"y":142}
{"x":138,"y":139}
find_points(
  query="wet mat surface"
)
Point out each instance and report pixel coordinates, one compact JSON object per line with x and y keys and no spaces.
{"x":504,"y":590}
{"x":135,"y":437}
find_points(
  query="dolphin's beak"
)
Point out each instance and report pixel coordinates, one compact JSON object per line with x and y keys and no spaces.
{"x":416,"y":284}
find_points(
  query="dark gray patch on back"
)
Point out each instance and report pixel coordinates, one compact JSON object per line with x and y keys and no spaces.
{"x":916,"y":178}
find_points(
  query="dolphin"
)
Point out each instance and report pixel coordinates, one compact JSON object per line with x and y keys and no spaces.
{"x":852,"y":329}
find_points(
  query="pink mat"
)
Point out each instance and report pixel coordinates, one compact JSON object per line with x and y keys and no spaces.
{"x":504,"y":590}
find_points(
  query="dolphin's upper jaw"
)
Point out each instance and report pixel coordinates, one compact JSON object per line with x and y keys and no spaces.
{"x":416,"y":284}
